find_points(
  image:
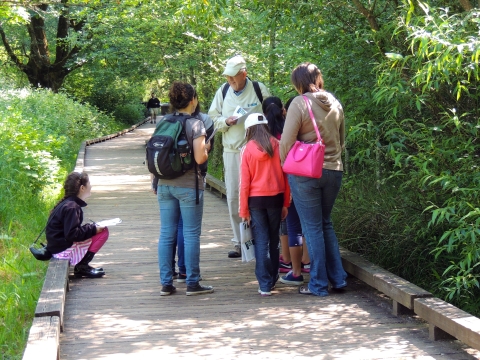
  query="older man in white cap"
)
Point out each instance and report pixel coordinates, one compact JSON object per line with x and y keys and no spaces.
{"x":239,"y":90}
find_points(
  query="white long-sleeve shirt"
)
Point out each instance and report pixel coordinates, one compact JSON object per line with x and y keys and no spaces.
{"x":233,"y":137}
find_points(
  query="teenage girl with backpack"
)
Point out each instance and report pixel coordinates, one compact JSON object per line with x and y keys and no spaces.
{"x":264,"y":197}
{"x":177,"y":198}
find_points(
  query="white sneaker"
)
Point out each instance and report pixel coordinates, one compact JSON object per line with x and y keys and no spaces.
{"x":264,"y":293}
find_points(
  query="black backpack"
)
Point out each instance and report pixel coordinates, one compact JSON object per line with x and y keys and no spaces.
{"x":256,"y":87}
{"x":168,"y":141}
{"x":204,"y":167}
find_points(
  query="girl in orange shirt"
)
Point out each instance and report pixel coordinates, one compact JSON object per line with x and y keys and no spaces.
{"x":264,"y":197}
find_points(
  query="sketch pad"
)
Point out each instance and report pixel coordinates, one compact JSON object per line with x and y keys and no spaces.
{"x":109,"y":222}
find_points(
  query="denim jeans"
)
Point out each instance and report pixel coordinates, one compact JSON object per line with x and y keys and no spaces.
{"x":294,"y":227}
{"x":314,"y":199}
{"x":180,"y":248}
{"x":175,"y":201}
{"x":265,"y":228}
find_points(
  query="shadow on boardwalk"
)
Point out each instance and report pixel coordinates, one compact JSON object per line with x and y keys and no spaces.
{"x":122,"y":315}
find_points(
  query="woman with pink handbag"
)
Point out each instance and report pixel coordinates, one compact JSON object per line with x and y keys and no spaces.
{"x":310,"y":150}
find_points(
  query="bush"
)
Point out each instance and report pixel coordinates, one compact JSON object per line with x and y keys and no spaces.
{"x":421,"y":160}
{"x":129,"y":113}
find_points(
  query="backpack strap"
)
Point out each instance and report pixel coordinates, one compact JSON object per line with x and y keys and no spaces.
{"x":225,"y":89}
{"x":258,"y":91}
{"x":256,"y":87}
{"x":182,"y":121}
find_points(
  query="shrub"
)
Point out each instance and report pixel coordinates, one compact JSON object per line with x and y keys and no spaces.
{"x":129,"y":113}
{"x":421,"y":159}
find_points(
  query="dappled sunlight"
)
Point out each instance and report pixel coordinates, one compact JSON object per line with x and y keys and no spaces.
{"x":244,"y":335}
{"x":210,"y":246}
{"x":118,"y":179}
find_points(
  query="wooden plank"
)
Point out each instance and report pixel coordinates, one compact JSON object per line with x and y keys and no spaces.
{"x":43,"y":339}
{"x":400,"y":290}
{"x":357,"y":266}
{"x":52,"y":298}
{"x":216,"y":184}
{"x":458,"y":323}
{"x":80,"y":158}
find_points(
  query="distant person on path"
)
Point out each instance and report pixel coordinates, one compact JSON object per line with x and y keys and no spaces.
{"x":314,"y":198}
{"x":177,"y":197}
{"x":264,"y":198}
{"x":240,"y":91}
{"x":153,"y":105}
{"x":66,"y":237}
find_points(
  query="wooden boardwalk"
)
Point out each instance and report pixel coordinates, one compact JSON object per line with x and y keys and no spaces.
{"x":122,"y":315}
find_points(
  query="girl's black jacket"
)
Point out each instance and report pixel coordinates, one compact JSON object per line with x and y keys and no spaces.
{"x":65,"y":226}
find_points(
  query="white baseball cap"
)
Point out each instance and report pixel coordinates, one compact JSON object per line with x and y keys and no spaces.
{"x":255,"y":119}
{"x":234,"y":65}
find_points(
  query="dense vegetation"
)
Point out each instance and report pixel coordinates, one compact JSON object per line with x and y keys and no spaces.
{"x":406,"y":72}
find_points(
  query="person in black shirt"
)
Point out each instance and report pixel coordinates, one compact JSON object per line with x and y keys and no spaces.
{"x":153,"y":105}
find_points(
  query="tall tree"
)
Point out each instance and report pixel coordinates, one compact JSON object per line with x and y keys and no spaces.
{"x":46,"y":65}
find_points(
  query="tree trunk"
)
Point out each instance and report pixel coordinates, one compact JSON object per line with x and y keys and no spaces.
{"x":466,"y":5}
{"x":43,"y":71}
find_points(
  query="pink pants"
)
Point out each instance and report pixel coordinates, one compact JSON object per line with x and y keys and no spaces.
{"x":77,"y":251}
{"x":98,"y":241}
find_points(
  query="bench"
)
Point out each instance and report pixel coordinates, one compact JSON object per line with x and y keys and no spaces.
{"x":55,"y":286}
{"x":43,"y":339}
{"x":402,"y":292}
{"x":447,"y":321}
{"x":216,"y":184}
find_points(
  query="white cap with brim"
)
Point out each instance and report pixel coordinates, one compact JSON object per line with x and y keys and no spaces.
{"x":234,"y":65}
{"x":255,"y":119}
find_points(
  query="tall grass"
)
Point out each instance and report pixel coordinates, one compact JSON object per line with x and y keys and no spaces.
{"x":40,"y":134}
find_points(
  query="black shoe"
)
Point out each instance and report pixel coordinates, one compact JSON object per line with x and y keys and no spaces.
{"x":83,"y":270}
{"x":199,"y":289}
{"x":181,"y":278}
{"x":235,"y":253}
{"x":167,"y":290}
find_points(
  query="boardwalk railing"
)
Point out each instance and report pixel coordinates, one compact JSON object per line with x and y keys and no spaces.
{"x":445,"y":320}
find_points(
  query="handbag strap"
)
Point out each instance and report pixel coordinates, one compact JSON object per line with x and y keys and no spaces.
{"x":319,"y":138}
{"x":48,"y":221}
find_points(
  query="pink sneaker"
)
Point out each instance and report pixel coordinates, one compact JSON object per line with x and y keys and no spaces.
{"x":284,"y":267}
{"x":305,"y":268}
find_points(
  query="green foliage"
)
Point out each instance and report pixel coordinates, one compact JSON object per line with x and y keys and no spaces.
{"x":129,"y":113}
{"x":425,"y":150}
{"x":40,"y":134}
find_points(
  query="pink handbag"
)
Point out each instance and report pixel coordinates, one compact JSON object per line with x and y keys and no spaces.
{"x":306,"y":159}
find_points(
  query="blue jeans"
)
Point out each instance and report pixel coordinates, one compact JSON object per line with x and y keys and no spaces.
{"x":294,"y":227}
{"x":175,"y":201}
{"x":314,"y":199}
{"x":265,"y":228}
{"x":180,"y":248}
